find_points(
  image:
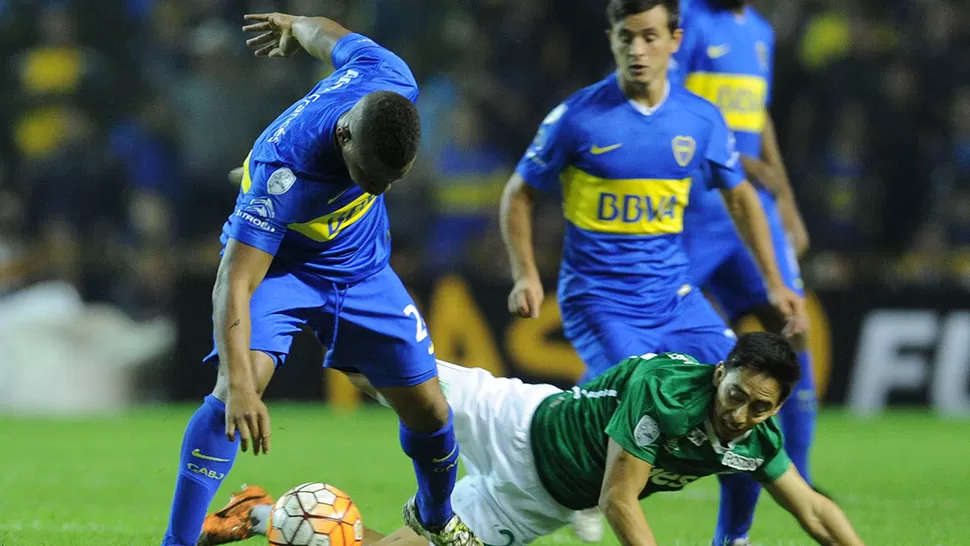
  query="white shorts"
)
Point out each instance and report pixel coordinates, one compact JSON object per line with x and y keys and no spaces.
{"x":501,"y":498}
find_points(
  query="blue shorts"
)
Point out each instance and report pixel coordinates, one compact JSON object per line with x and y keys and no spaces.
{"x":371,"y":327}
{"x":725,"y":268}
{"x":603,"y":334}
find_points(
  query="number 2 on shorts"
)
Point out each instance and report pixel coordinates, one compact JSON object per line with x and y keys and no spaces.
{"x":421,"y":329}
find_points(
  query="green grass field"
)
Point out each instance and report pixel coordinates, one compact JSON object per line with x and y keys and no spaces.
{"x":903,"y":479}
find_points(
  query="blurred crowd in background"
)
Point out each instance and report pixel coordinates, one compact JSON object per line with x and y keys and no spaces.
{"x":122,"y":119}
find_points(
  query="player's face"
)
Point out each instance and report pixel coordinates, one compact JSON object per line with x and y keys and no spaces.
{"x":365,"y":170}
{"x":642,"y":45}
{"x":744,"y":399}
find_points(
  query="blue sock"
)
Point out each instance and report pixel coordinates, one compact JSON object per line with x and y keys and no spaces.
{"x":206,"y":459}
{"x":739,"y":496}
{"x":435,"y":458}
{"x":798,"y":417}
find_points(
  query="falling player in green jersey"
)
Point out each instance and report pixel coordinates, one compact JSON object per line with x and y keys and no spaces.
{"x":534,"y":453}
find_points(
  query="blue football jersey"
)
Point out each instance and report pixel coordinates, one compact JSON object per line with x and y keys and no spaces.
{"x":297,"y":200}
{"x":624,"y":173}
{"x":727,"y":59}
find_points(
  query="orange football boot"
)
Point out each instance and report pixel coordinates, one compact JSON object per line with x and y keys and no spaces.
{"x":234,"y":523}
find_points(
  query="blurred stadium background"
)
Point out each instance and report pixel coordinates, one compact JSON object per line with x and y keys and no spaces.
{"x":121,"y":119}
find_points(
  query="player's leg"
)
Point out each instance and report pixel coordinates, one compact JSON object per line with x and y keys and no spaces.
{"x":501,"y":497}
{"x":738,"y":288}
{"x":207,"y":456}
{"x":702,"y":333}
{"x":798,"y":415}
{"x":379,"y":332}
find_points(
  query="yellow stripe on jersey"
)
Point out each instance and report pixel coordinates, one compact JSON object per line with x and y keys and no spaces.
{"x":325,"y":228}
{"x":626,"y":207}
{"x":247,"y":181}
{"x":740,"y":97}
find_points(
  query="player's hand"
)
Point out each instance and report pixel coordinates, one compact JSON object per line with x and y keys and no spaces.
{"x":276,"y":38}
{"x":247,"y":414}
{"x":526,"y":297}
{"x":792,"y":307}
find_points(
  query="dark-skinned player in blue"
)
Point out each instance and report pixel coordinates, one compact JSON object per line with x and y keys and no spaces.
{"x":727,"y":57}
{"x":308,"y":245}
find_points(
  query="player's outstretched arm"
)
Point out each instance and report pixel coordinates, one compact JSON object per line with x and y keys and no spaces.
{"x":820,"y":517}
{"x":749,"y":217}
{"x":282,"y":35}
{"x":625,"y":477}
{"x":241,"y":270}
{"x":515,"y":216}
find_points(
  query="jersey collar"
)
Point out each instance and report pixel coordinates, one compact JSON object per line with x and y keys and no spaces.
{"x":716,"y":443}
{"x":648,"y":110}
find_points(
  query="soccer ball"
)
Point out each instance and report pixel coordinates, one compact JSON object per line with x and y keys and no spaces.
{"x":315,"y":514}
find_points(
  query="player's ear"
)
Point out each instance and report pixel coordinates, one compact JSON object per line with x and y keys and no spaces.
{"x":719,"y":372}
{"x":678,"y":36}
{"x":342,"y":132}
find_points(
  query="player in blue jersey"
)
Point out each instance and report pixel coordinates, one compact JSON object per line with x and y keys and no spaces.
{"x":308,"y":245}
{"x":623,"y":153}
{"x":727,"y":57}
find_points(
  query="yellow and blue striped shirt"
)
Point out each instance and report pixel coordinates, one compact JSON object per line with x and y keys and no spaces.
{"x":624,"y":173}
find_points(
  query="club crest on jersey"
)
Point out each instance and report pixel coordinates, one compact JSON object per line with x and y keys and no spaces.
{"x":761,"y":51}
{"x":646,"y":432}
{"x":739,"y":462}
{"x":280,"y":181}
{"x":684,"y":147}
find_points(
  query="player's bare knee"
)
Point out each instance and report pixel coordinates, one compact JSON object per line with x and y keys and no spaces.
{"x":422,"y":408}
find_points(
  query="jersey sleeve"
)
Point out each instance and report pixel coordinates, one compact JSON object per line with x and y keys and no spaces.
{"x":265,"y":209}
{"x":635,"y":427}
{"x":722,"y":155}
{"x":773,"y":469}
{"x":353,"y":47}
{"x":549,"y":152}
{"x":366,"y":55}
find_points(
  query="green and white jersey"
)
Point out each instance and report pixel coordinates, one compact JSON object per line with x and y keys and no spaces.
{"x":657,"y":409}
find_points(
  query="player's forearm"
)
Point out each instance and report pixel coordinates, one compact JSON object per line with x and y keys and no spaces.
{"x":628,"y":522}
{"x":233,"y":328}
{"x":829,"y":526}
{"x":318,"y":35}
{"x":516,"y":225}
{"x":750,"y":219}
{"x":754,"y":170}
{"x":788,"y":210}
{"x":771,"y":156}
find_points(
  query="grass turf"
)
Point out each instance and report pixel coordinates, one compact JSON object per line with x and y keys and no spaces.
{"x":903,"y":479}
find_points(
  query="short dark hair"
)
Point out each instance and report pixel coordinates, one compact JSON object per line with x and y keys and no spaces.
{"x":770,"y":354}
{"x":391,"y":128}
{"x":617,"y":10}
